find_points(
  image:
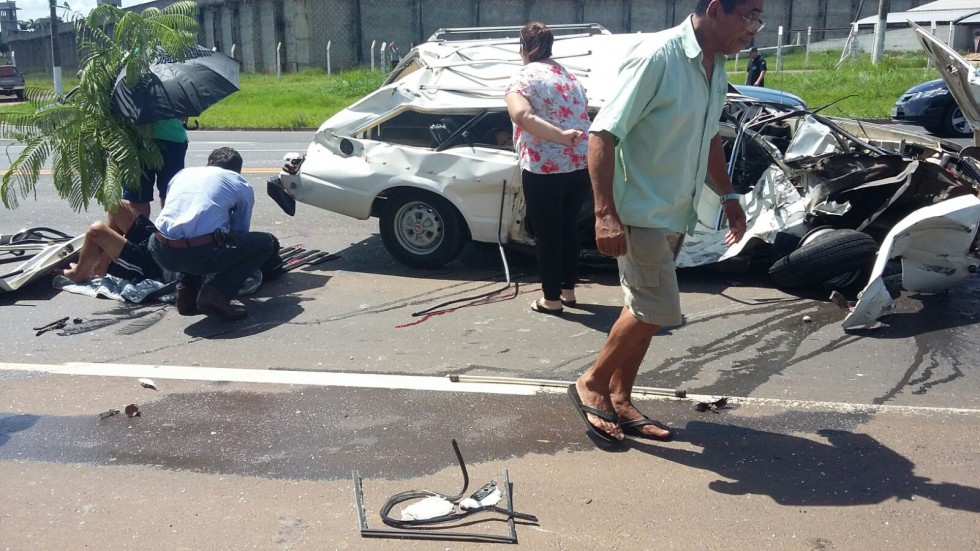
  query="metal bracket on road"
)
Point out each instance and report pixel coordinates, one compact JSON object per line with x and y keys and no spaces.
{"x":675,"y":392}
{"x":409,"y":529}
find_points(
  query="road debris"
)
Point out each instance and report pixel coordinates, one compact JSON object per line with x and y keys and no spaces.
{"x":807,"y":319}
{"x":841,"y":301}
{"x":107,"y":414}
{"x":53,"y":326}
{"x":432,"y":509}
{"x":721,"y":403}
{"x":148,"y":383}
{"x":132,"y":410}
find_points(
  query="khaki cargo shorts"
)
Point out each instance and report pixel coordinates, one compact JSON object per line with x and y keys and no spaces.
{"x":648,"y":276}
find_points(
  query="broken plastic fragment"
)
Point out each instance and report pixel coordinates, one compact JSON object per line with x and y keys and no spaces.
{"x":148,"y":383}
{"x":107,"y":414}
{"x":430,"y":507}
{"x":488,"y":500}
{"x":721,"y":403}
{"x":132,"y":410}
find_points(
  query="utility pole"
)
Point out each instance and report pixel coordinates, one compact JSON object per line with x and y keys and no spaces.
{"x":879,"y":50}
{"x":55,"y":50}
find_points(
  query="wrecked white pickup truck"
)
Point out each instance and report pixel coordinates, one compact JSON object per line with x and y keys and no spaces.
{"x":821,"y":194}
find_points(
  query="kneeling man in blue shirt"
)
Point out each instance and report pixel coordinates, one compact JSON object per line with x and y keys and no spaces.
{"x":203,"y":230}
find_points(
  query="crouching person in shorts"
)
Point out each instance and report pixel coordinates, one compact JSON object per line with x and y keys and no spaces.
{"x":118,"y":247}
{"x":203,"y":231}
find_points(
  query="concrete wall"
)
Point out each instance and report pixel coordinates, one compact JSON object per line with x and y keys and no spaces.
{"x":305,"y":27}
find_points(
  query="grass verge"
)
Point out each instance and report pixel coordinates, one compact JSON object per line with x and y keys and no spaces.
{"x":858,"y":89}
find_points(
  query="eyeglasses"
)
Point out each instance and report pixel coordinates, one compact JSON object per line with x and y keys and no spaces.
{"x":753,"y":25}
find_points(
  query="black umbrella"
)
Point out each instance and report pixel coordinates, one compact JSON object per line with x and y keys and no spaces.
{"x":177,"y":88}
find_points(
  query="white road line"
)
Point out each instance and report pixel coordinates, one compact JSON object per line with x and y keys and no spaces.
{"x":263,"y":376}
{"x":409,"y":382}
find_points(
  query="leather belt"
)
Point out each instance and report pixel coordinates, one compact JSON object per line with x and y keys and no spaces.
{"x":186,"y":243}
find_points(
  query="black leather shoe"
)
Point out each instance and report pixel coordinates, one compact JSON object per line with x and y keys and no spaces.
{"x":212,"y":303}
{"x":187,"y":300}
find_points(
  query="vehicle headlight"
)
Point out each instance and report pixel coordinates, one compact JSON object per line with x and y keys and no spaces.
{"x":934,"y":93}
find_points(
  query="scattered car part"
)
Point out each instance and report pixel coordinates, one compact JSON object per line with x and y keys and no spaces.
{"x":721,"y":403}
{"x":937,"y":247}
{"x":107,"y":414}
{"x":132,"y":410}
{"x":407,"y":529}
{"x":53,"y":256}
{"x":53,"y":326}
{"x":148,"y":383}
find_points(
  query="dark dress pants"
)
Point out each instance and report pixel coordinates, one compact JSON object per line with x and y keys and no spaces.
{"x":229,"y":264}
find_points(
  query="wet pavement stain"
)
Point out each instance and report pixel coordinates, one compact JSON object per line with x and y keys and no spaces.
{"x":312,"y":433}
{"x":796,"y":457}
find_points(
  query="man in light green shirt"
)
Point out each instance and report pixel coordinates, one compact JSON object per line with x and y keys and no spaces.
{"x":651,"y":149}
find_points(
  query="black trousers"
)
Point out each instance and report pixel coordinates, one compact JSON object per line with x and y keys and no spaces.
{"x":553,"y":202}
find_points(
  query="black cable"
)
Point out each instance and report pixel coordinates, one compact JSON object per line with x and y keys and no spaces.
{"x":417,"y":494}
{"x":500,"y":246}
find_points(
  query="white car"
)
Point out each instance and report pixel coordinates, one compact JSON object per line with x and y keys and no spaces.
{"x":821,"y":194}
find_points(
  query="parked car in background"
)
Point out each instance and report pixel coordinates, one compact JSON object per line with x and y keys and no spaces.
{"x":11,"y":82}
{"x":769,"y":95}
{"x":931,"y":106}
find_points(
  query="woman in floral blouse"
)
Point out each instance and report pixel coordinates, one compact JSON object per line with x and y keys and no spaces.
{"x":549,"y":109}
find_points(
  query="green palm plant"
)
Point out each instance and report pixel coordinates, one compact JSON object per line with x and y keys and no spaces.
{"x":94,"y":152}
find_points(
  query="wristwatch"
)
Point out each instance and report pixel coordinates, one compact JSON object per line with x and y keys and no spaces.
{"x":730,"y":197}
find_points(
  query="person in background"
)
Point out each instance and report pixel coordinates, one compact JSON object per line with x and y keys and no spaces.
{"x":203,"y":230}
{"x":651,"y":150}
{"x":170,"y":136}
{"x":757,"y":68}
{"x":396,"y":56}
{"x":549,"y":110}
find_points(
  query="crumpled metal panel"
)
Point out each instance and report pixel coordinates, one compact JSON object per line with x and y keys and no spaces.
{"x":934,"y":244}
{"x":772,"y":206}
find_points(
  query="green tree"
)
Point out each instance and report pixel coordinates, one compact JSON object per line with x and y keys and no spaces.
{"x":94,"y":152}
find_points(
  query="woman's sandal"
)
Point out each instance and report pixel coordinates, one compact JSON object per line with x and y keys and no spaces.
{"x":536,"y":306}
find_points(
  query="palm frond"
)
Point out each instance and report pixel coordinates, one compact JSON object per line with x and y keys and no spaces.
{"x":95,"y":153}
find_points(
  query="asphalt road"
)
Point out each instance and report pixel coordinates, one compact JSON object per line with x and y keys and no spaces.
{"x":837,"y":440}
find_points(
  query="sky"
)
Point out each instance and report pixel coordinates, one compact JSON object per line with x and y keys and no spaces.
{"x":36,"y":9}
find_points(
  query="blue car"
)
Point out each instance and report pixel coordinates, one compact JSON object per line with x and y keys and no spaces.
{"x":931,"y":106}
{"x":768,"y":95}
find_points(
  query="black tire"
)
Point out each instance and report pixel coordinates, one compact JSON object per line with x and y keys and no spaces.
{"x":422,"y":230}
{"x":955,"y":124}
{"x":834,"y":258}
{"x":20,"y":96}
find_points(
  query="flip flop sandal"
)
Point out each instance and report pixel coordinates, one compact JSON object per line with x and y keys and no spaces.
{"x":569,"y":303}
{"x":583,"y":409}
{"x":537,"y":307}
{"x":632,"y":428}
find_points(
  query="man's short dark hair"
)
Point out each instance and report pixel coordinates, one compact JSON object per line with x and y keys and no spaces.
{"x":727,"y":5}
{"x":754,"y":49}
{"x":226,"y":158}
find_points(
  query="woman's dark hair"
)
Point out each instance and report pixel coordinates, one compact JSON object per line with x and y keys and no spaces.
{"x":226,"y":158}
{"x":536,"y":41}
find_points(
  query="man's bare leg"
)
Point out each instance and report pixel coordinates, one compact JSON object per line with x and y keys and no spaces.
{"x":618,"y":363}
{"x":121,"y":219}
{"x":621,"y":390}
{"x":102,"y":244}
